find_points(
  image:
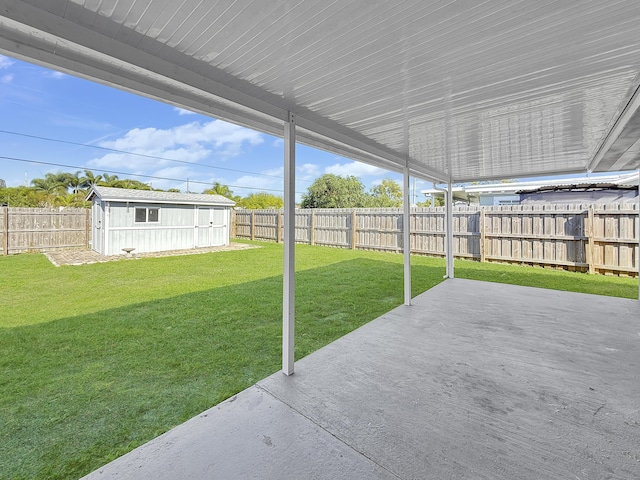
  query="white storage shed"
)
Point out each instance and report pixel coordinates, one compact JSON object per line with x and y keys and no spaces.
{"x":152,"y":221}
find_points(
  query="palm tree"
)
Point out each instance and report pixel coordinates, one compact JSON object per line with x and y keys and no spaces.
{"x":219,"y":189}
{"x":109,"y":180}
{"x":52,"y":183}
{"x":75,"y":182}
{"x":90,"y":179}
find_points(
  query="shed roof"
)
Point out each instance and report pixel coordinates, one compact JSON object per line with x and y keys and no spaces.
{"x":154,"y":196}
{"x":457,"y":90}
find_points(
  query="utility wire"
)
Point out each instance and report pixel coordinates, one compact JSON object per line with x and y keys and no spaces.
{"x":154,"y":177}
{"x":114,"y":150}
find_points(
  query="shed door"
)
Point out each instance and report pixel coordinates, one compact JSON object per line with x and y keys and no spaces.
{"x":97,"y":230}
{"x":203,"y":236}
{"x":211,"y":227}
{"x":218,"y":226}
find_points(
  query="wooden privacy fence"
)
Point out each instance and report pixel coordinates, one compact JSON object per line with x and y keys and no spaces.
{"x":593,"y":238}
{"x":43,"y":229}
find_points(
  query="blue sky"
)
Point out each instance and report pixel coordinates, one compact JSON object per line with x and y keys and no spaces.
{"x":54,"y":118}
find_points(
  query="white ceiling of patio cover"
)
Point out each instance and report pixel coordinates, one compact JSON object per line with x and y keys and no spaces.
{"x":468,"y":89}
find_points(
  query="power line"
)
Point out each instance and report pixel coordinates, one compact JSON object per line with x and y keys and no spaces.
{"x":153,"y":177}
{"x":124,"y":152}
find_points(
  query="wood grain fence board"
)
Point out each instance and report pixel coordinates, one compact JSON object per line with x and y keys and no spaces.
{"x":576,"y":237}
{"x":4,"y":230}
{"x":44,"y":229}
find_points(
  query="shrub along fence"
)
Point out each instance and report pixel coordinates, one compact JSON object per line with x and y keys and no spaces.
{"x":594,"y":238}
{"x":43,"y":229}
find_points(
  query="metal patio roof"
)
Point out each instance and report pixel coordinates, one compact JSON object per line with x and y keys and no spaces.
{"x":461,"y":90}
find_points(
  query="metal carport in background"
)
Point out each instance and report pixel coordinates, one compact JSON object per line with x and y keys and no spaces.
{"x":449,"y":91}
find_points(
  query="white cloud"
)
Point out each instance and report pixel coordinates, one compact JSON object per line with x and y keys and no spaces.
{"x":260,"y":183}
{"x":227,"y":138}
{"x":180,"y":172}
{"x":278,"y":172}
{"x":182,"y":111}
{"x":308,"y":171}
{"x":278,"y":143}
{"x":6,"y":78}
{"x":154,"y":151}
{"x":356,"y":169}
{"x":5,"y":62}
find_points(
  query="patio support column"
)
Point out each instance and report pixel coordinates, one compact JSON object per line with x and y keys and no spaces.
{"x":406,"y":237}
{"x":449,"y":230}
{"x":288,"y":294}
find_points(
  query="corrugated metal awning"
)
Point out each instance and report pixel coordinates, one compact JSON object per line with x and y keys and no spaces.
{"x":464,"y":90}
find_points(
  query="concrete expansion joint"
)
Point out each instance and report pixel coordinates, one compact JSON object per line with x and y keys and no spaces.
{"x":351,"y":447}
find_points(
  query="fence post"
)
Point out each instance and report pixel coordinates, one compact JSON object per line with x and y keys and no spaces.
{"x":233,"y":219}
{"x":590,"y":246}
{"x":87,"y":227}
{"x":482,"y":236}
{"x":353,"y":230}
{"x":5,"y":231}
{"x":278,"y":227}
{"x":252,"y":226}
{"x":312,"y":234}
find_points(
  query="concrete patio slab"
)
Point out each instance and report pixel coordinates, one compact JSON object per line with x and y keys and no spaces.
{"x":474,"y":381}
{"x":250,"y":436}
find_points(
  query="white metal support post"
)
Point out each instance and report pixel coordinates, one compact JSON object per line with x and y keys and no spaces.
{"x":449,"y":227}
{"x":288,"y":294}
{"x":406,"y":238}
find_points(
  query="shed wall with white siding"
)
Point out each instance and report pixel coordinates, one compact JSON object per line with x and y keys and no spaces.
{"x":152,"y":221}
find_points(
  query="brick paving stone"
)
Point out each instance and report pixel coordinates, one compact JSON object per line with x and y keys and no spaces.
{"x":83,"y":256}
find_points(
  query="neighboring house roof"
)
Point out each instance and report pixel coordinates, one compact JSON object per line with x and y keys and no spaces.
{"x":627,"y":180}
{"x":109,"y":194}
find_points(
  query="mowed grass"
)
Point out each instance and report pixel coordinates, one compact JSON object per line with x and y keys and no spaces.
{"x":98,"y":359}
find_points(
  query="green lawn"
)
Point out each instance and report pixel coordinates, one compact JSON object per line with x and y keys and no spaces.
{"x":98,"y":359}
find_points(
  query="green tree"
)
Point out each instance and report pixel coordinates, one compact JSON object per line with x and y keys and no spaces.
{"x":75,"y":200}
{"x":387,"y":194}
{"x":90,"y":179}
{"x":219,"y":189}
{"x":260,"y":200}
{"x":109,"y":180}
{"x":436,"y":202}
{"x":75,"y":182}
{"x":3,"y":184}
{"x":24,"y":197}
{"x":334,"y":191}
{"x":132,"y":184}
{"x":52,"y":183}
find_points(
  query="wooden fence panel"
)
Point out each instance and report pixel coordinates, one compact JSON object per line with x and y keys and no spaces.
{"x":599,"y":239}
{"x":378,"y":229}
{"x":614,"y":238}
{"x":4,"y":230}
{"x":43,"y":229}
{"x":241,"y":221}
{"x":428,"y":231}
{"x":333,"y":228}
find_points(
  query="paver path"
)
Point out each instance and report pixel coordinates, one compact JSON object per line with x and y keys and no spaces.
{"x":84,"y":256}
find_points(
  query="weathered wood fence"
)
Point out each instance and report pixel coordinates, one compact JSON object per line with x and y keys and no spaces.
{"x":43,"y":229}
{"x":594,"y":238}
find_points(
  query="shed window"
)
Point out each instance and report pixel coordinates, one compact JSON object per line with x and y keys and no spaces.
{"x":152,"y":214}
{"x":147,"y":214}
